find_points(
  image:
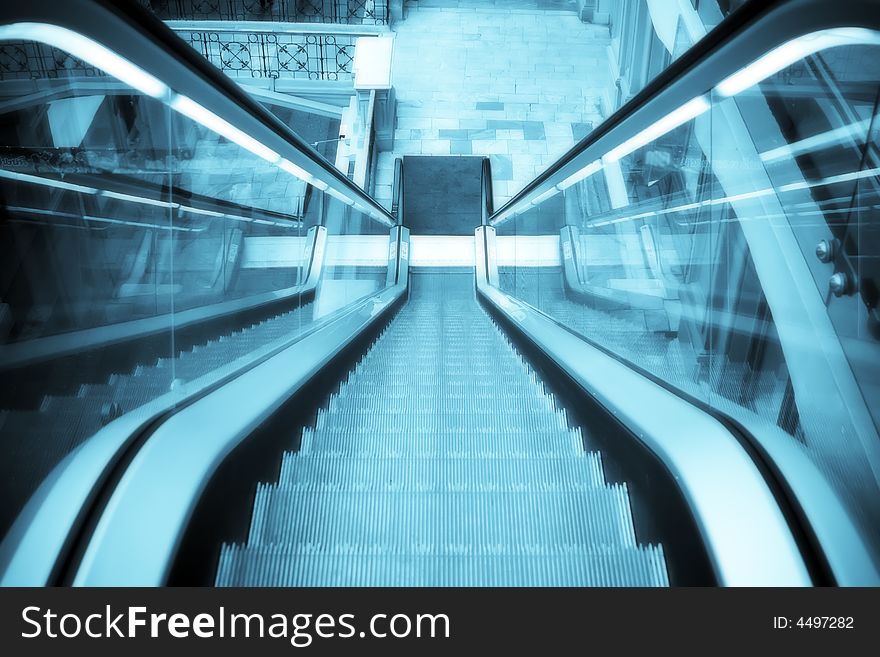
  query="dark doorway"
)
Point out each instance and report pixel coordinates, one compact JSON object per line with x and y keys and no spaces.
{"x":442,"y":194}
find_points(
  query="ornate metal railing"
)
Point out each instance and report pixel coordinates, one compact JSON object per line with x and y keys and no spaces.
{"x":307,"y":56}
{"x":29,"y":60}
{"x":363,"y":12}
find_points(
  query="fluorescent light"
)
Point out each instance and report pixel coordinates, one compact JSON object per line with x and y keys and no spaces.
{"x":790,"y":187}
{"x":297,"y":171}
{"x":644,"y":215}
{"x":138,"y":199}
{"x":103,"y":220}
{"x":370,"y":212}
{"x":60,"y":184}
{"x":301,"y":173}
{"x":46,"y":182}
{"x":831,"y":180}
{"x":89,"y":51}
{"x":576,"y":177}
{"x":207,"y":118}
{"x":741,"y":197}
{"x":789,"y":53}
{"x":767,"y":65}
{"x":543,"y":197}
{"x":855,"y":130}
{"x":340,"y":196}
{"x":139,"y":224}
{"x":108,"y":61}
{"x":509,"y":214}
{"x":690,"y":110}
{"x":209,"y":213}
{"x":71,"y":187}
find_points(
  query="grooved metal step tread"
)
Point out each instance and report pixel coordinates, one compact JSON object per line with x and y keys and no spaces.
{"x":423,"y":472}
{"x":441,"y":459}
{"x":542,"y":566}
{"x":595,"y":516}
{"x":357,"y":440}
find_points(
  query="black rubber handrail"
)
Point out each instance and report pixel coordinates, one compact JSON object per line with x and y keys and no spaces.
{"x":397,"y":192}
{"x":487,"y":202}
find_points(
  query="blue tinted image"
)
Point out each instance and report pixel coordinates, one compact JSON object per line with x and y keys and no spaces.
{"x":534,"y":293}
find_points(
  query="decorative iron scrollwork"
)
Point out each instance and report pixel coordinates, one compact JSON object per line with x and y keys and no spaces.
{"x":257,"y":54}
{"x":290,"y":11}
{"x":27,"y":60}
{"x":13,"y":59}
{"x":235,"y":57}
{"x":277,"y":55}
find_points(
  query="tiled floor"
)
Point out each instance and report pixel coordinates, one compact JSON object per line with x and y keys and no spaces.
{"x":517,"y":80}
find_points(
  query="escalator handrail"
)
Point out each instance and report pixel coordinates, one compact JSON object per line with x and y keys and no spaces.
{"x":747,"y":531}
{"x":138,"y":530}
{"x":487,"y":200}
{"x":397,"y":191}
{"x":754,"y":28}
{"x":45,"y":543}
{"x":134,"y":33}
{"x":828,"y":543}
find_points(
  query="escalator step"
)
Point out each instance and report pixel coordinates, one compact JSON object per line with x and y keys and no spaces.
{"x":357,"y":441}
{"x":344,"y":565}
{"x":429,"y":421}
{"x":425,"y":473}
{"x":441,"y":459}
{"x":591,"y":516}
{"x":447,"y":405}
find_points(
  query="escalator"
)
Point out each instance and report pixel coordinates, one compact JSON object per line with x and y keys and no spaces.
{"x":636,"y":383}
{"x":464,"y":471}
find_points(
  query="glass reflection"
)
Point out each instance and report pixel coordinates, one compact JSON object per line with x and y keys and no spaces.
{"x":149,"y":249}
{"x":734,"y":255}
